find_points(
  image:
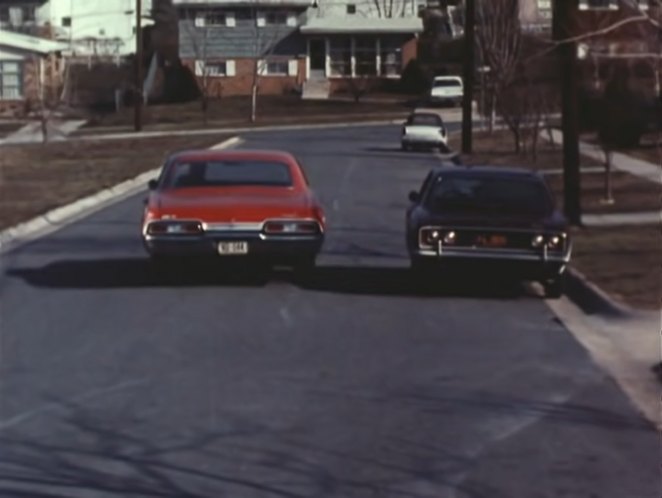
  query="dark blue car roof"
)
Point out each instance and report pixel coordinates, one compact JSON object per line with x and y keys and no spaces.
{"x":492,"y":171}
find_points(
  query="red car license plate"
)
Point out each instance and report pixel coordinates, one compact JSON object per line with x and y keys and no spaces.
{"x":232,"y":248}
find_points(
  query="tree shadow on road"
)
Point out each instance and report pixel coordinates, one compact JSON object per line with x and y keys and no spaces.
{"x":91,"y":453}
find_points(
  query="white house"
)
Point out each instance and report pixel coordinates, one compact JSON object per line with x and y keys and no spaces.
{"x":88,"y":27}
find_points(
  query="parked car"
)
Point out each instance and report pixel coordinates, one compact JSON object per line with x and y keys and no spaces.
{"x":234,"y":204}
{"x":424,"y":129}
{"x":447,"y":90}
{"x":492,"y":219}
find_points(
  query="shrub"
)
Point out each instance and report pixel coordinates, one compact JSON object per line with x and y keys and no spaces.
{"x":415,"y":78}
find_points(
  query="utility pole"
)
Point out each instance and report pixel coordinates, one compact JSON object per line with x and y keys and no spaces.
{"x":138,"y":96}
{"x":468,"y":75}
{"x":567,"y":54}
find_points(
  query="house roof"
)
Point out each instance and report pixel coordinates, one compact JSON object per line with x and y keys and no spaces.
{"x":223,"y":3}
{"x":29,"y":43}
{"x":358,"y":24}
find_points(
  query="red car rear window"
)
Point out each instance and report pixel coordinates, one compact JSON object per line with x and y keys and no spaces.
{"x":229,"y":173}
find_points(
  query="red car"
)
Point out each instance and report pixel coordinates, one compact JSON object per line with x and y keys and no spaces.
{"x":234,"y":203}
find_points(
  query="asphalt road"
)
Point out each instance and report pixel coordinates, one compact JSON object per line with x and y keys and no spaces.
{"x":354,"y":383}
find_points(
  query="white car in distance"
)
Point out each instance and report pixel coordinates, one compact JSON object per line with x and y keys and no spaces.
{"x":447,"y":90}
{"x":424,"y":129}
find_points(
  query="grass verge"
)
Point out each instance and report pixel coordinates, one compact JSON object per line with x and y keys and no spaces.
{"x":624,"y":261}
{"x":37,"y":178}
{"x":236,"y":111}
{"x":631,"y":194}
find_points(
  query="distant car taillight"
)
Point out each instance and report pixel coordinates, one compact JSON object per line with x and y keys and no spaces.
{"x":430,"y":237}
{"x":172,"y":227}
{"x":294,"y":227}
{"x":555,"y":241}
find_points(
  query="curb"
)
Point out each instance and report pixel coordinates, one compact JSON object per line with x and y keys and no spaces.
{"x":591,"y":298}
{"x":244,"y":129}
{"x":54,"y":220}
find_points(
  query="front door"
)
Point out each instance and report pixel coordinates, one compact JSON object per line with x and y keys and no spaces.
{"x":317,"y":54}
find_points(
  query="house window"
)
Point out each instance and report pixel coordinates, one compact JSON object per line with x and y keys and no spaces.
{"x":215,"y":19}
{"x":390,"y":58}
{"x":66,"y":22}
{"x":598,"y":4}
{"x":28,"y":14}
{"x":10,"y":80}
{"x":365,"y":53}
{"x":545,"y":9}
{"x":277,"y":68}
{"x":351,"y":8}
{"x":276,"y":18}
{"x":216,"y":69}
{"x":340,"y":56}
{"x":4,"y":14}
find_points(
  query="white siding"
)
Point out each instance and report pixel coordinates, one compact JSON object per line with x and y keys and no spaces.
{"x":6,"y":55}
{"x":101,"y":19}
{"x":293,"y":67}
{"x":230,"y":69}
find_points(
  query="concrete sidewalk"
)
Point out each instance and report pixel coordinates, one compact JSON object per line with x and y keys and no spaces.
{"x":620,"y":161}
{"x":57,"y":130}
{"x":618,"y":219}
{"x":627,"y":347}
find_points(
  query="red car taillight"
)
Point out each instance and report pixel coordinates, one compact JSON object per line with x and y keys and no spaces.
{"x":173,"y":227}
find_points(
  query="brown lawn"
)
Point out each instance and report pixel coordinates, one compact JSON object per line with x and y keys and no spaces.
{"x":36,"y":178}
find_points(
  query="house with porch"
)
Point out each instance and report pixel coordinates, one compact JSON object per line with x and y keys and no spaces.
{"x":31,"y":71}
{"x":304,"y":46}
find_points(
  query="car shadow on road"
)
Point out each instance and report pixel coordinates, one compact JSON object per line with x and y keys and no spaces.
{"x":390,"y":281}
{"x":136,"y":272}
{"x":350,"y":279}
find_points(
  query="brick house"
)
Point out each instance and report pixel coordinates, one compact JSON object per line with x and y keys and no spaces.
{"x":31,"y":70}
{"x":296,"y":45}
{"x":634,"y":46}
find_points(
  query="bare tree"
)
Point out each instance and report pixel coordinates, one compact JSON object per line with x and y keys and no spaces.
{"x":50,"y":86}
{"x":197,"y":28}
{"x":499,"y":40}
{"x":266,"y":36}
{"x":392,"y":8}
{"x":372,"y":8}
